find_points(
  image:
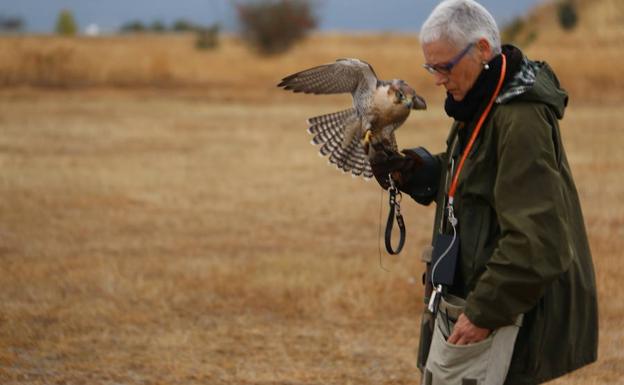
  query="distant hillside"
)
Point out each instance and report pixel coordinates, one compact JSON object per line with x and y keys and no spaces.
{"x":583,"y":59}
{"x":599,"y":21}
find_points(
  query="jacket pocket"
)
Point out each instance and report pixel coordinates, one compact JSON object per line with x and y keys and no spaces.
{"x":483,"y":363}
{"x":452,"y":355}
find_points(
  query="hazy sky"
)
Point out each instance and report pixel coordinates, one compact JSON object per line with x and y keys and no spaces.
{"x":379,"y":15}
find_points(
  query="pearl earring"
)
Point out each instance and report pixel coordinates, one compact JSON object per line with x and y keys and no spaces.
{"x":486,"y":66}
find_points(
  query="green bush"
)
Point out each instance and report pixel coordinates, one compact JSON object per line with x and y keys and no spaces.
{"x":65,"y":23}
{"x":133,"y":27}
{"x":531,"y":37}
{"x":273,"y":26}
{"x":568,"y":16}
{"x":519,"y":32}
{"x":207,"y":38}
{"x":11,"y":24}
{"x":158,"y":27}
{"x":511,"y":31}
{"x":183,"y":25}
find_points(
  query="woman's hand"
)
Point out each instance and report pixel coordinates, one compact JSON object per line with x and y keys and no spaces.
{"x":465,"y":332}
{"x":386,"y":162}
{"x":389,"y":161}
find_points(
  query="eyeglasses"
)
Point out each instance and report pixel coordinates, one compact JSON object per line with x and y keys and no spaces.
{"x":445,"y":68}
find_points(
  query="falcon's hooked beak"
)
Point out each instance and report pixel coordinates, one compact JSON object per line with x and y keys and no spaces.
{"x":418,"y":103}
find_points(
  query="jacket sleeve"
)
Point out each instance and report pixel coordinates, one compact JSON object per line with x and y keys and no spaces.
{"x":532,"y":250}
{"x":422,"y":182}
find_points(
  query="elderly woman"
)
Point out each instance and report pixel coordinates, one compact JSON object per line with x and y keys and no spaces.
{"x":508,"y":214}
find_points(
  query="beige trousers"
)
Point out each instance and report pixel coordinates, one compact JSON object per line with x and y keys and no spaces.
{"x":483,"y":363}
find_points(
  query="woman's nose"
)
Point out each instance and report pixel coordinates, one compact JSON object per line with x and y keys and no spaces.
{"x":440,"y":79}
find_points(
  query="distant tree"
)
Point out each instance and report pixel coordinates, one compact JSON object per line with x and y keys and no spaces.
{"x":11,"y":23}
{"x":66,"y":24}
{"x":183,"y":25}
{"x":568,"y":15}
{"x":133,"y":27}
{"x":207,"y":37}
{"x":158,"y":26}
{"x":273,"y":26}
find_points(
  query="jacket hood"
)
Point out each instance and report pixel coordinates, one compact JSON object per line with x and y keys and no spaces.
{"x":535,"y":82}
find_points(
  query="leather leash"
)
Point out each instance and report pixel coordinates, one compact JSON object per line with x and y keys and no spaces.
{"x":394,"y":200}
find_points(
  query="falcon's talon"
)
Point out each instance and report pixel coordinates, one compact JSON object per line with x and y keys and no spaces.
{"x":367,"y":136}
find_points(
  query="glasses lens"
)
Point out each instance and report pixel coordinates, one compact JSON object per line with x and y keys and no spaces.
{"x":434,"y":69}
{"x":429,"y":68}
{"x":445,"y":69}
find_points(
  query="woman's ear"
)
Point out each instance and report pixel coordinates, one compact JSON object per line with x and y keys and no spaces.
{"x":485,"y":49}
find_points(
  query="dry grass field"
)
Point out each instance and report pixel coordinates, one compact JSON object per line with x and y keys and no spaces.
{"x":164,"y":219}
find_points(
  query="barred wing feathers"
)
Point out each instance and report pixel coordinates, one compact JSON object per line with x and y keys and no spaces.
{"x":343,"y":76}
{"x":338,"y":135}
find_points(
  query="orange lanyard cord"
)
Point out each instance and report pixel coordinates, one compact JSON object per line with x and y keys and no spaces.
{"x":476,"y":131}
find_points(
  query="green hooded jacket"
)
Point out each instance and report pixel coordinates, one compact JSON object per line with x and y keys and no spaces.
{"x":523,"y":245}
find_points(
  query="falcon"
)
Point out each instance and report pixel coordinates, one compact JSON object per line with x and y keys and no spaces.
{"x":351,"y":137}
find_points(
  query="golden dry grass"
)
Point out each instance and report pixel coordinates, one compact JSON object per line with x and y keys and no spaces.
{"x":581,"y":59}
{"x":193,"y":236}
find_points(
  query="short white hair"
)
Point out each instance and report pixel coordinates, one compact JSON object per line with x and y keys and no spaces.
{"x":461,"y":22}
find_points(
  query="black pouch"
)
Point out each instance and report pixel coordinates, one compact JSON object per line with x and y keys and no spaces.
{"x":444,"y":259}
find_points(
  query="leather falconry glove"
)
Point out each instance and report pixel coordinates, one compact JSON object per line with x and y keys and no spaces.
{"x":400,"y":166}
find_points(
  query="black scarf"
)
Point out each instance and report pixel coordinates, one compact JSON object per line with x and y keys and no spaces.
{"x":481,"y":92}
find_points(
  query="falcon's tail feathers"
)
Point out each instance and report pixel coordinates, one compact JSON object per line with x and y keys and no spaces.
{"x":329,"y":133}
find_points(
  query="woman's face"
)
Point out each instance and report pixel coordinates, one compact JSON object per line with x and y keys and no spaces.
{"x":463,"y":74}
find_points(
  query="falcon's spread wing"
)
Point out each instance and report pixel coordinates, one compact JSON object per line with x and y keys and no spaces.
{"x":344,"y":76}
{"x":339,"y":136}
